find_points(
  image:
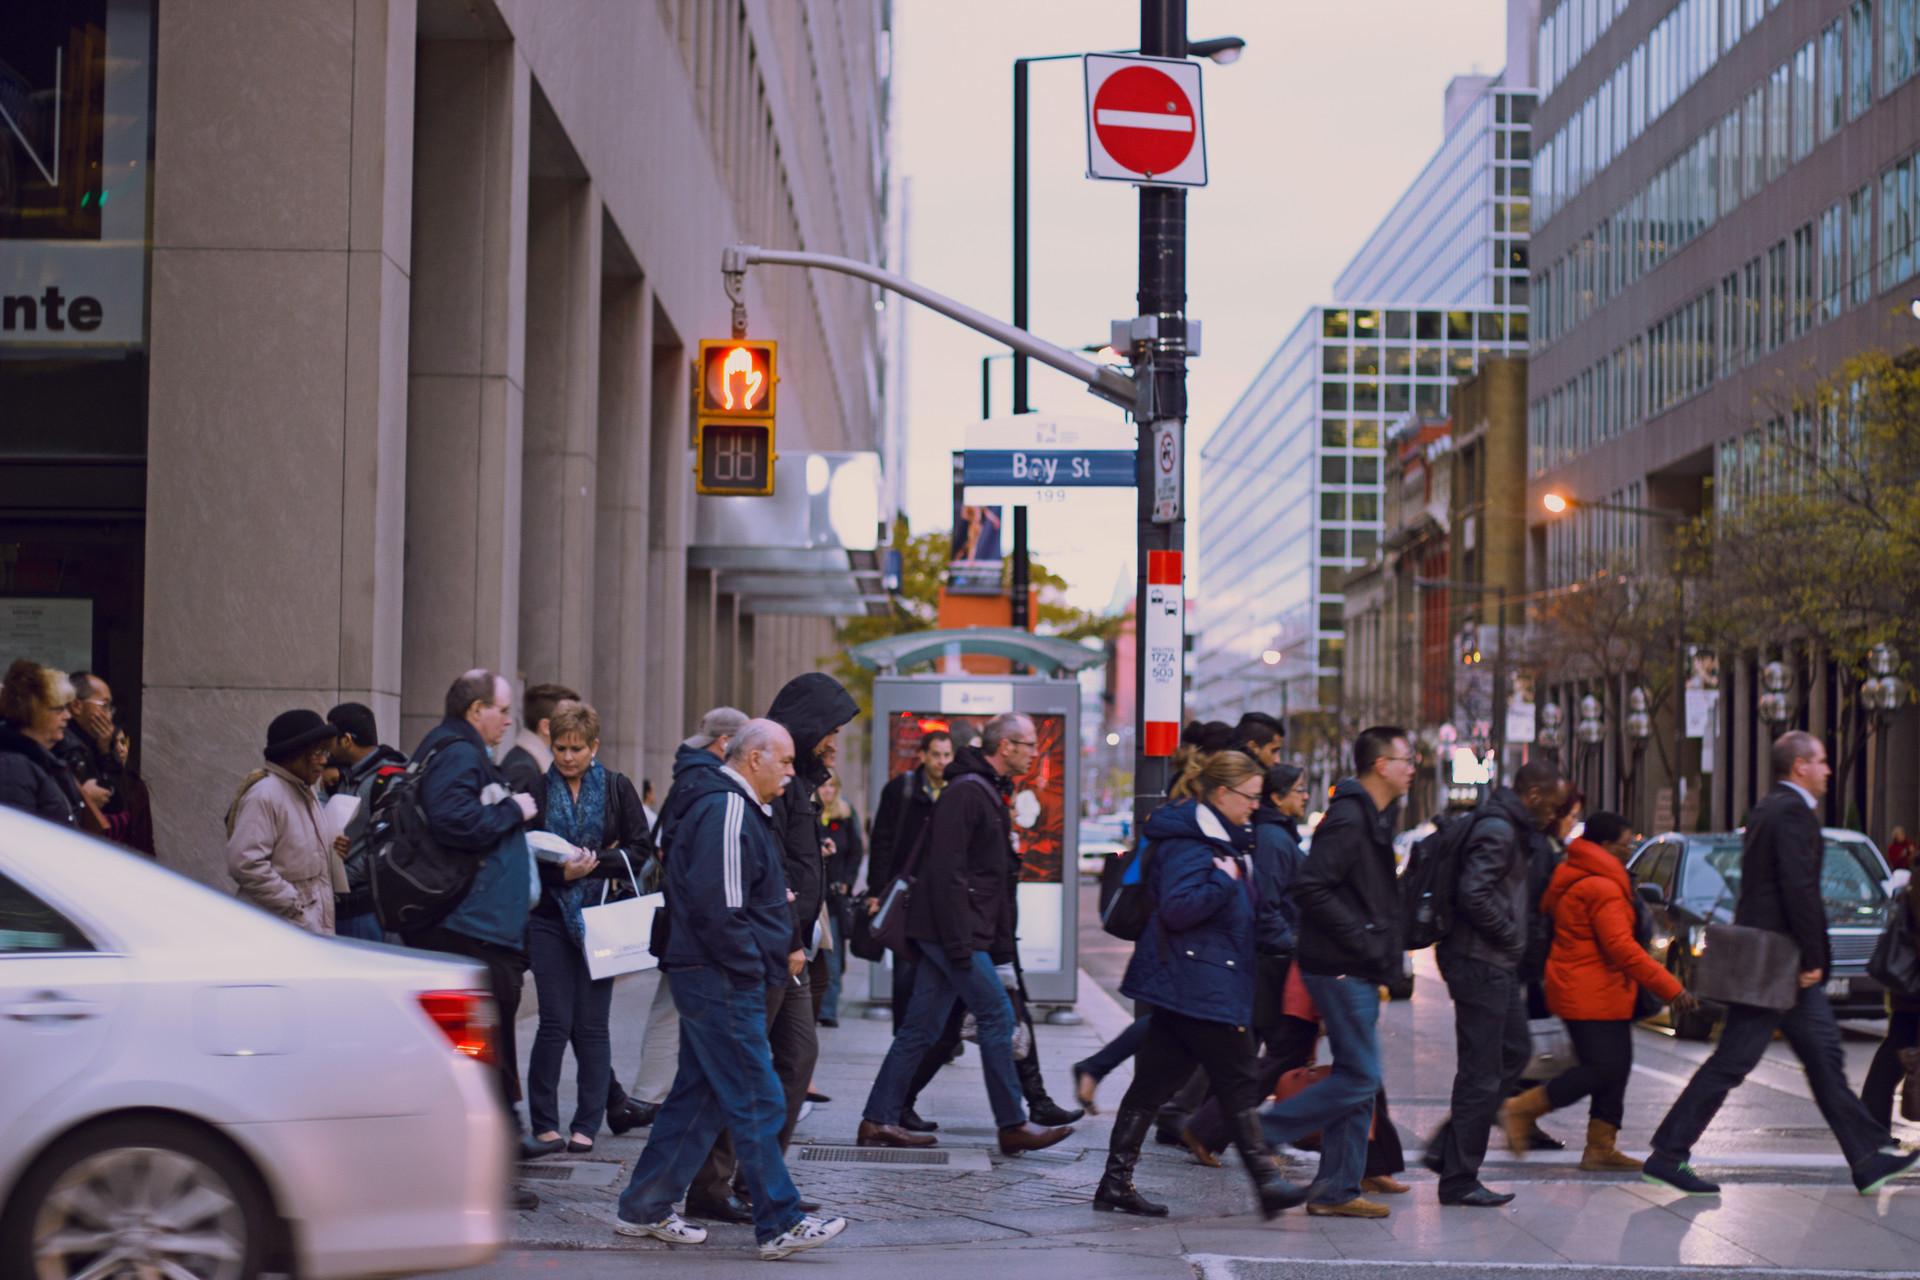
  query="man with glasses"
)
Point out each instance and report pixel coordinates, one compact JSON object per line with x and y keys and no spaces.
{"x":1348,"y":946}
{"x":961,"y":923}
{"x":1481,"y":962}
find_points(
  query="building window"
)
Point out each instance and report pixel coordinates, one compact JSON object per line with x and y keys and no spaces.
{"x":1833,"y":251}
{"x":1779,"y":115}
{"x":1899,"y":20}
{"x":1833,"y":80}
{"x":1860,"y":245}
{"x":1897,"y":223}
{"x":1803,"y":100}
{"x":1859,"y":58}
{"x":1753,"y":147}
{"x":1777,"y":296}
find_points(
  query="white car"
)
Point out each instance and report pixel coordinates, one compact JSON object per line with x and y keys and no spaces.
{"x":193,"y":1089}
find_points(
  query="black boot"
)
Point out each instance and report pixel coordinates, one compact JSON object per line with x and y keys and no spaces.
{"x":1273,"y":1191}
{"x":1116,"y":1192}
{"x":1041,"y":1109}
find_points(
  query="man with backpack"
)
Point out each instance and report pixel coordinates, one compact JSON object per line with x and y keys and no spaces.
{"x":476,"y":820}
{"x":1480,"y":954}
{"x":366,"y":766}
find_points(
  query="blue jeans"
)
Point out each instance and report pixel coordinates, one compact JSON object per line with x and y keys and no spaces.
{"x":939,"y":983}
{"x":726,"y":1081}
{"x":1339,"y":1108}
{"x":573,"y":1010}
{"x":365,"y":926}
{"x":835,"y":949}
{"x":1107,"y":1060}
{"x":1815,"y":1039}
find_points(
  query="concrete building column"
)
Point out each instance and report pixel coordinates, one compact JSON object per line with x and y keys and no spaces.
{"x":702,"y":641}
{"x":621,"y":556}
{"x":467,"y":384}
{"x":673,"y":703}
{"x":277,"y":419}
{"x":560,"y":448}
{"x":727,"y":687}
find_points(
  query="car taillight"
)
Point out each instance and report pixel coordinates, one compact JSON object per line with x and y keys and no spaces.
{"x":469,"y":1020}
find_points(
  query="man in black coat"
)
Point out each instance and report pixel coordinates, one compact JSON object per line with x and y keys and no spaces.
{"x":961,"y":921}
{"x":906,"y":807}
{"x":1481,"y":962}
{"x":1780,"y":862}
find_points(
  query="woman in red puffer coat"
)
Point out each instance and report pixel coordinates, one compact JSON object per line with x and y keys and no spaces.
{"x":1594,"y":974}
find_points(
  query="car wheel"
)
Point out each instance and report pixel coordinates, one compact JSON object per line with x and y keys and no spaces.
{"x":143,"y":1197}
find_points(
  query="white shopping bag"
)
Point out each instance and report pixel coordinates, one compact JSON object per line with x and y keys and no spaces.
{"x":619,"y":933}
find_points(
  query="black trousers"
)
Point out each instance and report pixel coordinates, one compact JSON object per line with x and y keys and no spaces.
{"x":506,"y":973}
{"x":1605,"y":1053}
{"x":1175,"y":1044}
{"x":1883,"y":1075}
{"x":1491,"y":1048}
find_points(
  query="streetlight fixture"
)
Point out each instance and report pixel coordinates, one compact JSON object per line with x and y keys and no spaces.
{"x":1592,"y":726}
{"x":1776,"y":703}
{"x":1881,"y":694}
{"x":1639,"y":729}
{"x":1272,"y":657}
{"x":1224,"y":49}
{"x":1549,"y":732}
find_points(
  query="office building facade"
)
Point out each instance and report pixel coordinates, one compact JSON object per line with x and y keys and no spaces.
{"x":373,"y":358}
{"x":1291,"y":481}
{"x":1727,"y":208}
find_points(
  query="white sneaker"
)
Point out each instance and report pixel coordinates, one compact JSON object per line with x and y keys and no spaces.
{"x":806,"y":1109}
{"x":673,"y":1228}
{"x":808,"y":1233}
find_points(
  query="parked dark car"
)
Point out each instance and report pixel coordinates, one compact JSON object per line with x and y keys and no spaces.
{"x":1691,"y":879}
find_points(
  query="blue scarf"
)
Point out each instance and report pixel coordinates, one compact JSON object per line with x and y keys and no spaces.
{"x":579,"y":822}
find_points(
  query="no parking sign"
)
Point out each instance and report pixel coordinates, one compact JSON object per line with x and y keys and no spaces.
{"x":1145,"y":124}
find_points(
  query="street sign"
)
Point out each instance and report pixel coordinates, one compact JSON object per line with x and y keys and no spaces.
{"x":735,"y":382}
{"x":1032,"y":458}
{"x":1169,"y":459}
{"x":1145,"y":124}
{"x":1165,"y":643}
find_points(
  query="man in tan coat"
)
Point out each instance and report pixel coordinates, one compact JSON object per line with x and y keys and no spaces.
{"x":278,"y":851}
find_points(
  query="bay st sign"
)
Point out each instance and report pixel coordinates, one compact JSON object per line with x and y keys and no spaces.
{"x":1036,"y":458}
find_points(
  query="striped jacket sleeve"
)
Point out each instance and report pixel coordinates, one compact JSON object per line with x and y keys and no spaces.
{"x":714,"y":873}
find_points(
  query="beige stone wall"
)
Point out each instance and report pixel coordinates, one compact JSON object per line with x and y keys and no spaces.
{"x":426,"y":275}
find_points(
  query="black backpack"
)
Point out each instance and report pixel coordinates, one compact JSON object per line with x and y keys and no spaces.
{"x":1427,"y":885}
{"x":416,"y":883}
{"x":1128,"y":906}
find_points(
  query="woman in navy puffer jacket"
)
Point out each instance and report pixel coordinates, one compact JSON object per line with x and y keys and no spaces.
{"x":1194,"y":966}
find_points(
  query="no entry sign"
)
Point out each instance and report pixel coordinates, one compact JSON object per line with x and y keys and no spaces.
{"x":1144,"y":121}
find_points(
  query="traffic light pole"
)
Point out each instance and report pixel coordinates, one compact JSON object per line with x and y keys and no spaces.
{"x":1160,"y":376}
{"x":1020,"y":556}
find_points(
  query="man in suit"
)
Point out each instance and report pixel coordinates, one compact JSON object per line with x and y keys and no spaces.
{"x":1780,"y":892}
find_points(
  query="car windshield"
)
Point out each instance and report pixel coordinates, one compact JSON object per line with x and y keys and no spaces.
{"x":1849,"y":880}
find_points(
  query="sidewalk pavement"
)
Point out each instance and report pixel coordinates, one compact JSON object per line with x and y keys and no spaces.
{"x":1031,"y":1216}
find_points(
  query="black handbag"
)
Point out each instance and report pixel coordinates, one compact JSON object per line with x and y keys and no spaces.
{"x":1744,"y":965}
{"x":1895,"y":964}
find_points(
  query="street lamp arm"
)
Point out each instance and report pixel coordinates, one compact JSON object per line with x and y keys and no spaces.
{"x":1102,"y":380}
{"x":1668,"y":514}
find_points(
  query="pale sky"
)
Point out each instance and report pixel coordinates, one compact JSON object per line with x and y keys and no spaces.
{"x":1311,"y":136}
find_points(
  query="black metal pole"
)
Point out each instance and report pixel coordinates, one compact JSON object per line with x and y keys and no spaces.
{"x":1160,"y":364}
{"x":1020,"y":566}
{"x":1499,"y":725}
{"x":986,"y":389}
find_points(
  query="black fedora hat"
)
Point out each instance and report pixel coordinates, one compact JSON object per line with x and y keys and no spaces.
{"x":295,"y":731}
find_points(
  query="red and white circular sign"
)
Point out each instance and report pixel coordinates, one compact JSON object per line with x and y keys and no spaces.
{"x":1144,"y":121}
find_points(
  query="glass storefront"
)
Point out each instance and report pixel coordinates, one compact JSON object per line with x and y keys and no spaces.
{"x":76,"y":143}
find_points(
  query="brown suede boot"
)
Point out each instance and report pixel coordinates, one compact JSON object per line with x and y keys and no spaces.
{"x":1521,"y":1111}
{"x":1602,"y":1156}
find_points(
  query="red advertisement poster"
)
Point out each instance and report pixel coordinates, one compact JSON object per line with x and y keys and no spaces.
{"x":1039,"y":799}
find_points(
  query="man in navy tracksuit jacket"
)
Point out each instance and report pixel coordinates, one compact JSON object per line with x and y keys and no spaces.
{"x":730,"y":938}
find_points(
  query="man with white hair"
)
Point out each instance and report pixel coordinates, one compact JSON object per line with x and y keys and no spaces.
{"x":729,"y":941}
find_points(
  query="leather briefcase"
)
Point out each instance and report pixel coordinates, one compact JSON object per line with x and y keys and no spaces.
{"x":1744,"y":965}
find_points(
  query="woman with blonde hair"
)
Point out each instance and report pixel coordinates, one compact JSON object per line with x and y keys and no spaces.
{"x":34,"y":703}
{"x":1194,"y":968}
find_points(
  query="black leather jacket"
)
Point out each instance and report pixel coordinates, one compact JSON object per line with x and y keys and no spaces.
{"x":1490,"y":907}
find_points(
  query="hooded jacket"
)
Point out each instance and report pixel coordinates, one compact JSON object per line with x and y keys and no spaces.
{"x":33,"y":780}
{"x":451,"y":795}
{"x":726,"y":886}
{"x":809,"y":706}
{"x":1348,"y":897}
{"x":1491,"y":904}
{"x":1595,"y":964}
{"x":963,"y":889}
{"x":1197,"y":956}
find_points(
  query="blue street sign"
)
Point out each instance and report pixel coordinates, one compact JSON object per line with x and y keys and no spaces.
{"x":1051,"y":468}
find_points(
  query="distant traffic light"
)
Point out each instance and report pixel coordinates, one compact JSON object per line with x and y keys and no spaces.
{"x":1469,"y":643}
{"x":733,"y":435}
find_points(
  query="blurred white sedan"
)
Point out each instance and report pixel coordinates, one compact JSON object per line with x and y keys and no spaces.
{"x":193,"y":1089}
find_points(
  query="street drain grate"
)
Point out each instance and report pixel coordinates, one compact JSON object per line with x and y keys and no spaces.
{"x":596,"y":1173}
{"x":955,"y":1160}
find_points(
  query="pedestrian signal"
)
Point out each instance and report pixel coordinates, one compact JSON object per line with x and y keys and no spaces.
{"x":733,"y":441}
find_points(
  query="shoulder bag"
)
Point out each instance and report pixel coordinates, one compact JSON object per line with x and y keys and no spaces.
{"x":889,"y":923}
{"x":618,"y":934}
{"x":1896,"y":957}
{"x":1740,"y":964}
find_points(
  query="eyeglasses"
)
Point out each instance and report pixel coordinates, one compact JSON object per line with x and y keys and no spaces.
{"x":1022,"y":742}
{"x":1397,"y":759}
{"x":1254,"y":796}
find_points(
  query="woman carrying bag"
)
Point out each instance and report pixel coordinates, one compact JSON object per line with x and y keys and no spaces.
{"x":1194,"y":966}
{"x":838,"y":824}
{"x":1594,"y":975}
{"x":593,"y":808}
{"x":1903,"y":1026}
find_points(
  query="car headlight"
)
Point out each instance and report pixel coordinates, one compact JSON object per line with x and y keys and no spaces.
{"x":1697,"y":940}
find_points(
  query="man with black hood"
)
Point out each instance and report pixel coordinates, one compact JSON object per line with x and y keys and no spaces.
{"x":813,"y":707}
